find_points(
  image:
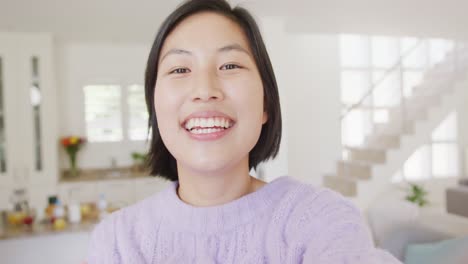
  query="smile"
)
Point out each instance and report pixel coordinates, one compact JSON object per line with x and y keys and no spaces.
{"x":210,"y":128}
{"x":207,"y":125}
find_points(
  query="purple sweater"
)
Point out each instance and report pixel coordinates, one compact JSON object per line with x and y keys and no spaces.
{"x":285,"y":221}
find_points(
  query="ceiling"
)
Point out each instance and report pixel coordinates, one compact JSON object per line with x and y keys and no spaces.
{"x":137,"y":21}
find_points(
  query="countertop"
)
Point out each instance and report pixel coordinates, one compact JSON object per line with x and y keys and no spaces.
{"x":90,"y":175}
{"x":41,"y":229}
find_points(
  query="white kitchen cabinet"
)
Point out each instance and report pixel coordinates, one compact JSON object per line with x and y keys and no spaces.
{"x":4,"y":198}
{"x":78,"y":192}
{"x":149,"y":186}
{"x":28,"y":113}
{"x":118,"y":193}
{"x":8,"y":109}
{"x":61,"y":248}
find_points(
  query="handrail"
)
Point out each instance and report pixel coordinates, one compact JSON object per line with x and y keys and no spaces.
{"x":387,"y":73}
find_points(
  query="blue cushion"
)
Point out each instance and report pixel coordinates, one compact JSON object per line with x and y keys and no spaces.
{"x":454,"y":251}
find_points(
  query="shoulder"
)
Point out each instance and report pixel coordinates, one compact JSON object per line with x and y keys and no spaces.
{"x":306,"y":200}
{"x":313,"y":209}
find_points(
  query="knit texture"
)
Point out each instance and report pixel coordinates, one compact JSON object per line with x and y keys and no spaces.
{"x":285,"y":221}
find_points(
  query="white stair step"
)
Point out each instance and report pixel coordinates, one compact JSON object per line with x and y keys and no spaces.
{"x":432,"y":89}
{"x":416,"y":101}
{"x":394,"y":127}
{"x":367,"y":169}
{"x":410,"y":115}
{"x":354,"y":170}
{"x":377,"y":156}
{"x":383,"y":141}
{"x":346,"y":187}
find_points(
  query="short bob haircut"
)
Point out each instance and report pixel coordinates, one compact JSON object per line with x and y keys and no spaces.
{"x":160,"y":161}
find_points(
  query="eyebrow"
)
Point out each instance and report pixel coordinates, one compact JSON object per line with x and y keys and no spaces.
{"x":227,"y":48}
{"x":175,"y":51}
{"x":233,"y":47}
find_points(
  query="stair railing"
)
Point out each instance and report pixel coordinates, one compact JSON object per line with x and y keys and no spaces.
{"x":455,"y":62}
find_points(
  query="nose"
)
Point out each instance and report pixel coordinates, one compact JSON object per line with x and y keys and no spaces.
{"x":206,"y":87}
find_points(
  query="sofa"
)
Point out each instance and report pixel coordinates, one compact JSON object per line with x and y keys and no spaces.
{"x":457,"y":199}
{"x":396,"y":226}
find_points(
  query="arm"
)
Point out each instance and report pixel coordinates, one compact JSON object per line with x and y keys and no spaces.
{"x":336,"y":233}
{"x":346,"y":242}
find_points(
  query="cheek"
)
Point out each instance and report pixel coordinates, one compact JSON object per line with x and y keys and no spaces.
{"x":166,"y":106}
{"x":248,"y":96}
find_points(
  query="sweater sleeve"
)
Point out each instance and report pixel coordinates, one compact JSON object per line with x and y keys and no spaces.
{"x":341,"y":235}
{"x":102,"y":247}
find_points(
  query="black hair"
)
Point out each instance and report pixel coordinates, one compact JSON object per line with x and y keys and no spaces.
{"x":160,"y":161}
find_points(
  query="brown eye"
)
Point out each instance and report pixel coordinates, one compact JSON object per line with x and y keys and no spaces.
{"x":230,"y":67}
{"x":179,"y":71}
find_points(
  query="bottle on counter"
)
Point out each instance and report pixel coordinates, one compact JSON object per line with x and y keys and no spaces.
{"x":74,"y":207}
{"x":59,"y":216}
{"x":74,"y":212}
{"x":21,"y":210}
{"x":49,"y":211}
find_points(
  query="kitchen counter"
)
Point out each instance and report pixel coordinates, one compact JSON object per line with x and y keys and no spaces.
{"x":40,"y":229}
{"x":70,"y":246}
{"x":90,"y":175}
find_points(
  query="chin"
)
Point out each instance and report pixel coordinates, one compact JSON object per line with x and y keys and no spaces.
{"x":209,"y":165}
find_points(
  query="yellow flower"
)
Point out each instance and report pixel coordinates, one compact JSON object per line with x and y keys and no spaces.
{"x":73,"y":140}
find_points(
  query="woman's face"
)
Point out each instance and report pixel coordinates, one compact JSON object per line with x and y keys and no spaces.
{"x":208,"y":95}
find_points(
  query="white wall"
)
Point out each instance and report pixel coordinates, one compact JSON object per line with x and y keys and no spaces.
{"x":315,"y":106}
{"x":307,"y":69}
{"x":274,"y":38}
{"x":80,"y":64}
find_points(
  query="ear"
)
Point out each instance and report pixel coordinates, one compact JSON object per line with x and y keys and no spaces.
{"x":265,"y":117}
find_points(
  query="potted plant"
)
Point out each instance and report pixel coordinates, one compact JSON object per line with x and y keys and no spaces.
{"x":139,"y":160}
{"x":417,"y":194}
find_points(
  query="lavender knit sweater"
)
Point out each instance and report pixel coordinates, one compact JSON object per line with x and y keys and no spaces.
{"x":283,"y":222}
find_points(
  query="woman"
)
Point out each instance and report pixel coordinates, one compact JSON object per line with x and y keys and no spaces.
{"x":215,"y":114}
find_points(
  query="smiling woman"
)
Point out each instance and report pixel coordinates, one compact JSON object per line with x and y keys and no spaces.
{"x":214,"y":114}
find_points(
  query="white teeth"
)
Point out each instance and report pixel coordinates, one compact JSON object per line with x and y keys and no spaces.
{"x":201,"y":123}
{"x":205,"y":130}
{"x":190,"y":123}
{"x":210,"y":122}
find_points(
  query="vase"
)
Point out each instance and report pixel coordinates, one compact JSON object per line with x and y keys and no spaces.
{"x":73,"y":167}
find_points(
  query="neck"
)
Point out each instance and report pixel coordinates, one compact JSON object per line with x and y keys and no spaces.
{"x":203,"y":189}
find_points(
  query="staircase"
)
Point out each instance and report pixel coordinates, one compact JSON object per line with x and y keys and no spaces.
{"x":366,"y":170}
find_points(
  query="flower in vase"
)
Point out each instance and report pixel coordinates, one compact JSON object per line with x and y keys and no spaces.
{"x":72,"y":145}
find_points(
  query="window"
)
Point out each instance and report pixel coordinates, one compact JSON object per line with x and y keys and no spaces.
{"x":354,"y":50}
{"x":113,"y":114}
{"x":103,"y":113}
{"x":437,"y":159}
{"x":394,"y":66}
{"x":445,"y":148}
{"x":137,"y":113}
{"x":417,"y":167}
